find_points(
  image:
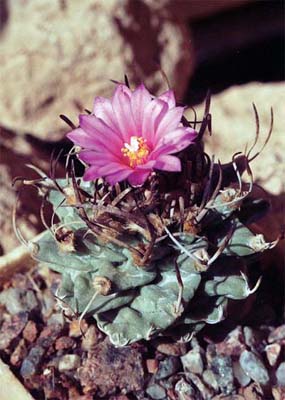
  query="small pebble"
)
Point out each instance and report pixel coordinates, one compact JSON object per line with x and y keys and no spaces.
{"x":222,"y":368}
{"x":167,"y":367}
{"x":194,"y":343}
{"x":272,"y":352}
{"x":254,"y":367}
{"x":30,"y":332}
{"x":11,"y":329}
{"x":56,"y":318}
{"x":240,"y":375}
{"x":277,"y":335}
{"x":280,"y":375}
{"x":184,"y":390}
{"x":170,"y":349}
{"x":249,"y":337}
{"x":90,"y":338}
{"x":48,"y":302}
{"x":64,"y":342}
{"x":206,"y":393}
{"x":210,"y":353}
{"x":19,"y":354}
{"x":210,"y":379}
{"x":68,"y":362}
{"x":156,"y":392}
{"x":233,"y":344}
{"x":18,"y":300}
{"x":278,"y":393}
{"x":193,"y":361}
{"x":254,"y":392}
{"x":49,"y":335}
{"x":31,"y":363}
{"x":152,"y":365}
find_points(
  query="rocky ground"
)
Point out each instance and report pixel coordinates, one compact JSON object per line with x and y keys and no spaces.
{"x":49,"y":354}
{"x":241,"y":359}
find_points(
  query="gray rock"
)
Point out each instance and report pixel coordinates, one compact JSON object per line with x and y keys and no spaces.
{"x":240,"y":375}
{"x":206,"y":393}
{"x":72,"y":68}
{"x":184,"y":390}
{"x":31,"y":363}
{"x":18,"y":300}
{"x":210,"y":379}
{"x":280,"y":374}
{"x":193,"y":361}
{"x":167,"y":367}
{"x":90,"y":338}
{"x":254,"y":392}
{"x":254,"y":367}
{"x":210,"y":353}
{"x":222,"y":368}
{"x":272,"y":352}
{"x":68,"y":362}
{"x":194,"y":343}
{"x":233,"y":344}
{"x":232,"y":113}
{"x":17,"y":152}
{"x":156,"y":391}
{"x":277,"y":334}
{"x":48,"y":301}
{"x":56,"y":318}
{"x":169,"y":348}
{"x":249,"y":337}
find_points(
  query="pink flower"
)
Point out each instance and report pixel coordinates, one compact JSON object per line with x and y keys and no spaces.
{"x":130,"y":135}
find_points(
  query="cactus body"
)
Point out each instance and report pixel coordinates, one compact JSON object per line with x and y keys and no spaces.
{"x":147,"y":300}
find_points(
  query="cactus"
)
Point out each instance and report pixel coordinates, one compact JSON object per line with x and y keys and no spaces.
{"x":166,"y":257}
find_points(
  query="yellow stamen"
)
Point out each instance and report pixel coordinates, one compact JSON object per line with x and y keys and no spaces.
{"x":137,"y":151}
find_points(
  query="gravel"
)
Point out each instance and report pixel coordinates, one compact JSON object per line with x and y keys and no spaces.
{"x":193,"y":361}
{"x":254,"y":367}
{"x":55,"y":361}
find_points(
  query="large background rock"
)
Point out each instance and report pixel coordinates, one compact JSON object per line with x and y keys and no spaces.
{"x":17,"y":151}
{"x":193,"y":9}
{"x":56,"y":55}
{"x":233,"y":126}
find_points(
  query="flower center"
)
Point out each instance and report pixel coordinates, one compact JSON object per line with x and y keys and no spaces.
{"x":137,"y":151}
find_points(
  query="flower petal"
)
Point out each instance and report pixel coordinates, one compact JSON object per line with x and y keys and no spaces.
{"x":123,"y":112}
{"x":174,"y":142}
{"x":139,"y":101}
{"x":97,"y":158}
{"x":113,"y":167}
{"x":175,"y":136}
{"x":91,"y":174}
{"x":168,"y":163}
{"x":148,"y":165}
{"x":170,"y":121}
{"x":101,"y":132}
{"x":103,"y":110}
{"x":153,"y":114}
{"x":113,"y":172}
{"x":79,"y":137}
{"x":138,"y":178}
{"x":118,"y":176}
{"x":169,"y":98}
